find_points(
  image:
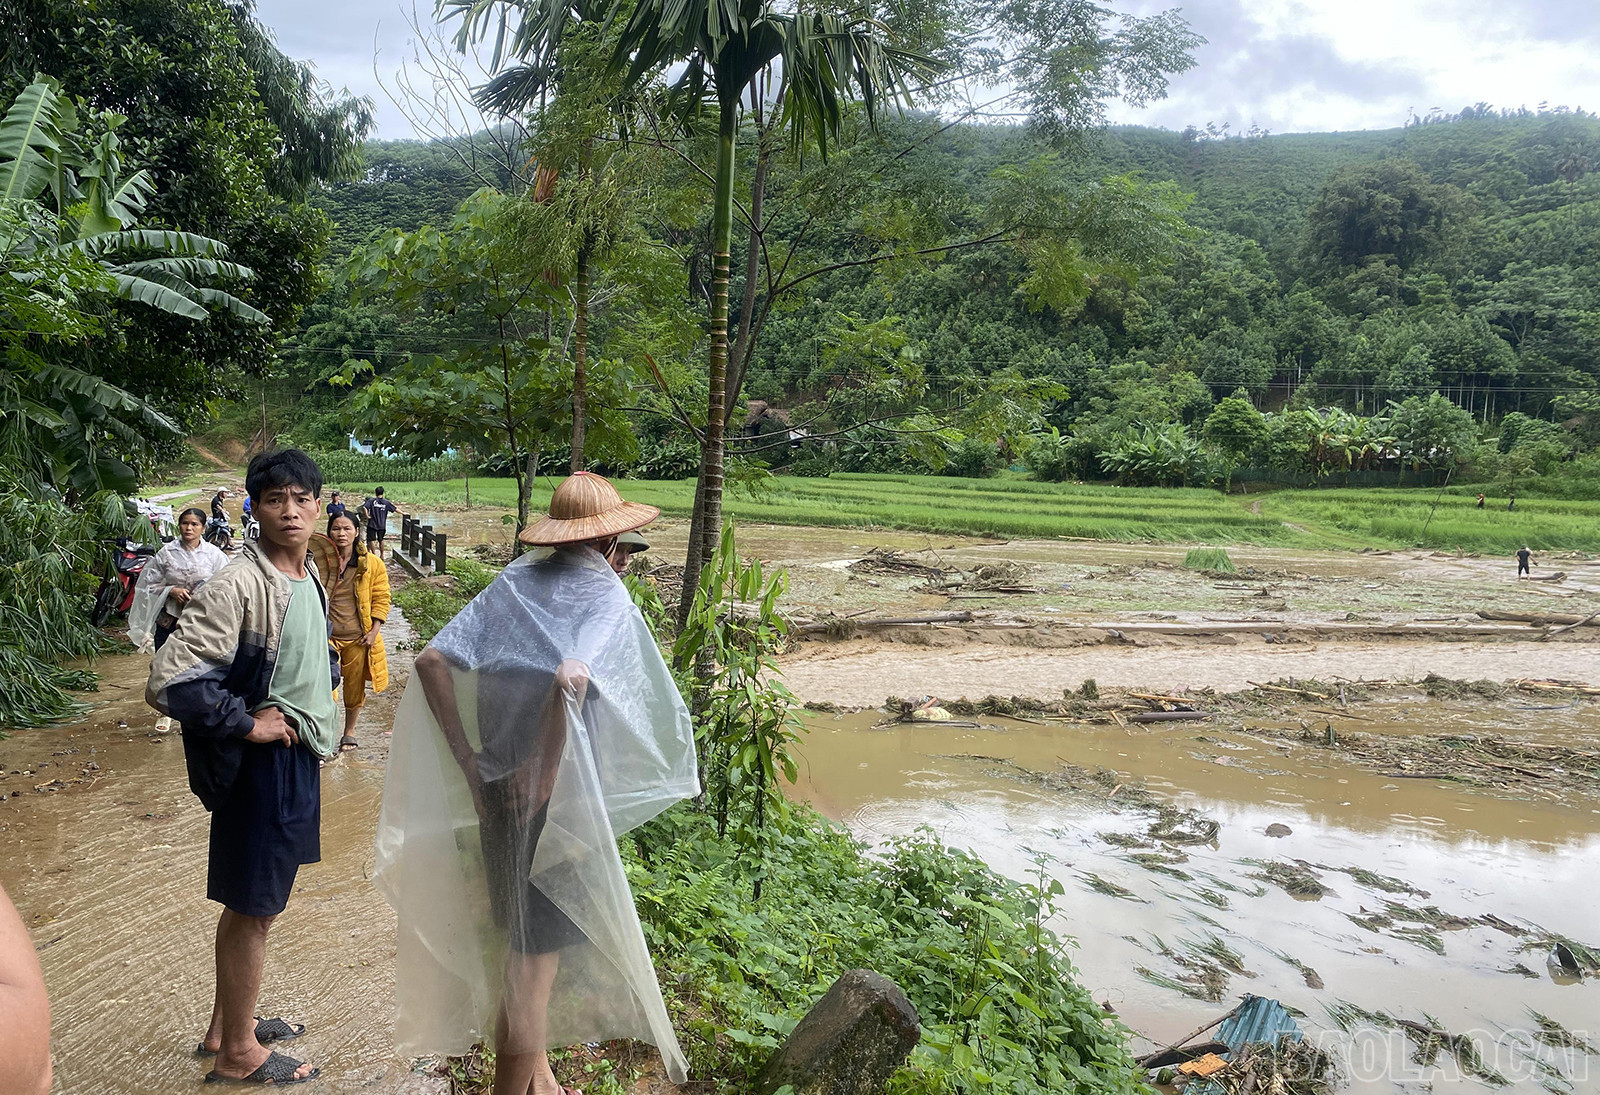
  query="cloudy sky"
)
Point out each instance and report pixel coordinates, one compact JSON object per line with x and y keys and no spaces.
{"x":1284,"y":65}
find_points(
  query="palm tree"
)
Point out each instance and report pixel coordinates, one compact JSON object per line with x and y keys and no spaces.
{"x":821,"y":60}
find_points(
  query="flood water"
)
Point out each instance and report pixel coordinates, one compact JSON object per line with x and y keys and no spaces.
{"x":1530,"y":863}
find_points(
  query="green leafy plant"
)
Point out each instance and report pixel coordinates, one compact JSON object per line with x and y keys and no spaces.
{"x":744,"y":716}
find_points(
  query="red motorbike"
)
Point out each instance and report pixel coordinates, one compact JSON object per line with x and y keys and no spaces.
{"x":116,"y":589}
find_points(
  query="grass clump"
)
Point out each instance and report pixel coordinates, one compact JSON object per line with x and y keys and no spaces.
{"x":1214,"y":560}
{"x":1000,"y":1007}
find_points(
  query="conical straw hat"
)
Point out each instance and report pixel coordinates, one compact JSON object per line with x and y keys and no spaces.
{"x":587,"y":507}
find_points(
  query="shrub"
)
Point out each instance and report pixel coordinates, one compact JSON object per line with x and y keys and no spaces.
{"x":973,"y":458}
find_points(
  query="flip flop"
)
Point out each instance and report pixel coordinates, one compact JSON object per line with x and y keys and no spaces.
{"x":347,"y":742}
{"x":278,"y":1068}
{"x":267,"y":1032}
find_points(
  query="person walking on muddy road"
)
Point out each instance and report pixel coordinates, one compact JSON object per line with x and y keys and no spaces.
{"x":1524,"y":561}
{"x":540,"y":725}
{"x":358,"y":603}
{"x":249,"y":674}
{"x":167,"y":584}
{"x":378,"y":508}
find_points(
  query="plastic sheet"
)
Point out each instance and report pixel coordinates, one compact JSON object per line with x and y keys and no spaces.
{"x":171,"y":568}
{"x":530,"y":866}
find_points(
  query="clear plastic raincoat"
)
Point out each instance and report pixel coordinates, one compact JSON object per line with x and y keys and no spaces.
{"x":173,"y":567}
{"x":527,"y":863}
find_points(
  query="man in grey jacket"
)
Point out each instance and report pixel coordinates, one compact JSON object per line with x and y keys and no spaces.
{"x":250,"y":676}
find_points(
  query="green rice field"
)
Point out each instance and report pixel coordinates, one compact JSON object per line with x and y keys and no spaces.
{"x":1015,"y":507}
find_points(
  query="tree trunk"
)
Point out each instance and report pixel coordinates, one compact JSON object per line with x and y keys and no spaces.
{"x":708,"y":493}
{"x":738,"y":359}
{"x":530,"y":471}
{"x":580,"y":354}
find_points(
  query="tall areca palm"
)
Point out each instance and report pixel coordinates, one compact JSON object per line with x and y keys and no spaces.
{"x":820,"y":60}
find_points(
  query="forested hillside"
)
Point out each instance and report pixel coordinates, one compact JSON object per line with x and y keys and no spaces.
{"x":1456,"y":256}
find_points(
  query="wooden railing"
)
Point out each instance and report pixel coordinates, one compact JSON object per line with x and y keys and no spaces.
{"x":420,"y":546}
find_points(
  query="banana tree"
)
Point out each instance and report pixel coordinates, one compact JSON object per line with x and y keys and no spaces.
{"x":68,"y":232}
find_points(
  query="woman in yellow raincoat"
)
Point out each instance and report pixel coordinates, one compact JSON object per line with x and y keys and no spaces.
{"x":358,"y":602}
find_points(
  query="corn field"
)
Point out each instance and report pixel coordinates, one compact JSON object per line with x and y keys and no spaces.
{"x":355,"y":468}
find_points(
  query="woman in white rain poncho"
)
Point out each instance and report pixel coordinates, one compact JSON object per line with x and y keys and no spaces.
{"x":539,"y":725}
{"x":169,"y":579}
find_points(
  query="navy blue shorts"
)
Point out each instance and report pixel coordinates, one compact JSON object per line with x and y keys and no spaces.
{"x":270,"y":823}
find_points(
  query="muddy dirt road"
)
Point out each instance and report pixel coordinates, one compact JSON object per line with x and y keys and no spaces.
{"x":104,"y":849}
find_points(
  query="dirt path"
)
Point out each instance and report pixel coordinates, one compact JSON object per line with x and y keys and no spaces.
{"x":862,"y":672}
{"x":109,"y":870}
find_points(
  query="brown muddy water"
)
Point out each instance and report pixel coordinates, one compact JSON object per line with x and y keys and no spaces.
{"x":1528,"y":863}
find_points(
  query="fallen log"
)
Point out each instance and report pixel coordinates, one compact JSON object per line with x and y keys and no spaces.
{"x":888,"y":621}
{"x":1536,"y":618}
{"x":1563,"y":630}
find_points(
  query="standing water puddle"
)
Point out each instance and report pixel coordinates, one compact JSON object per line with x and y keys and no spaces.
{"x":1408,"y":939}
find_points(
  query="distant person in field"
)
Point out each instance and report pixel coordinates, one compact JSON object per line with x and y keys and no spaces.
{"x":336,"y":508}
{"x":1480,"y":499}
{"x":1511,"y":502}
{"x":378,"y":510}
{"x":1524,"y":561}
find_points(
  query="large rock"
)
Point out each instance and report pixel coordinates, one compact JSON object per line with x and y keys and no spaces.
{"x":849,"y":1043}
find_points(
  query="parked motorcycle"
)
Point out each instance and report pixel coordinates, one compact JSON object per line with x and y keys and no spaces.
{"x":116,"y":589}
{"x":219,"y":532}
{"x":252,"y":528}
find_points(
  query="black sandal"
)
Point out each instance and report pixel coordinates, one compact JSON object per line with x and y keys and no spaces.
{"x":267,"y":1032}
{"x":278,"y":1068}
{"x":347,"y":742}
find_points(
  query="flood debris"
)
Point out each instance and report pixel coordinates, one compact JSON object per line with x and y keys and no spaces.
{"x":1289,"y":1067}
{"x":1203,"y":967}
{"x":1570,"y":957}
{"x":1312,"y":978}
{"x":1556,"y":1036}
{"x":1386,"y":883}
{"x":1431,"y":1039}
{"x":1296,"y":877}
{"x":1110,"y":889}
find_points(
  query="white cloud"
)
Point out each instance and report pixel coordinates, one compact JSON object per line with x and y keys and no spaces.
{"x":1286,"y":65}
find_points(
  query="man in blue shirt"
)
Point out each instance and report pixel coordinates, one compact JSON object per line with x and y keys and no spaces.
{"x":378,"y":509}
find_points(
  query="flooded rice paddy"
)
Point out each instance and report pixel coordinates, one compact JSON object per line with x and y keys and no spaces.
{"x":1171,"y":933}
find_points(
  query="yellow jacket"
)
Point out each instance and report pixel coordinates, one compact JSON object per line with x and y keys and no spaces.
{"x":372,"y":597}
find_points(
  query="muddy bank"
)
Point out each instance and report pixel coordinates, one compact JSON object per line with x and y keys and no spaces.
{"x":861,"y":672}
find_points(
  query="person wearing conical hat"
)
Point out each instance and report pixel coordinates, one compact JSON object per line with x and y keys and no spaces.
{"x":540,"y":725}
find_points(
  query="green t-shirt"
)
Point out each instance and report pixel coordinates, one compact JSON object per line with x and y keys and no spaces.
{"x":301,"y":683}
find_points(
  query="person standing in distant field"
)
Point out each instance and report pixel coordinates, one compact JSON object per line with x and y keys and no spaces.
{"x":1511,"y":502}
{"x":336,"y":508}
{"x":1524,"y":561}
{"x":1480,"y":499}
{"x":378,"y":509}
